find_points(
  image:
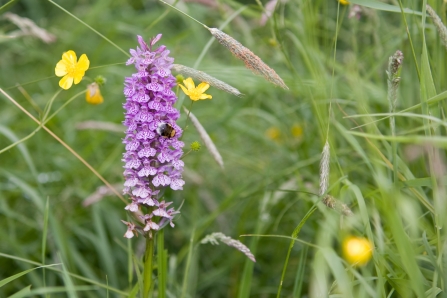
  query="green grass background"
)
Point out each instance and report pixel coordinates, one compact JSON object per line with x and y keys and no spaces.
{"x":267,"y":187}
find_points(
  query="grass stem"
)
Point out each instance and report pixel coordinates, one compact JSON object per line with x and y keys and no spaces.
{"x":161,"y":264}
{"x":147,"y":274}
{"x":195,"y":20}
{"x":65,"y":145}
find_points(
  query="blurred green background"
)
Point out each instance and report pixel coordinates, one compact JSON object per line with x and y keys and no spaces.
{"x":270,"y":140}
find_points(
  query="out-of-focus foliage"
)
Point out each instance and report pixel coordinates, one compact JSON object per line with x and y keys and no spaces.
{"x":270,"y":140}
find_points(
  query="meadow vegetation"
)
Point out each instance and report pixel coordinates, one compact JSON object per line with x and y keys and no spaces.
{"x":382,"y":179}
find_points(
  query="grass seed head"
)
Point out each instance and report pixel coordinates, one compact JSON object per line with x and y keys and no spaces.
{"x":442,"y":30}
{"x":206,"y":139}
{"x":338,"y":206}
{"x":214,"y":239}
{"x":204,"y":77}
{"x":324,"y":169}
{"x":252,"y":62}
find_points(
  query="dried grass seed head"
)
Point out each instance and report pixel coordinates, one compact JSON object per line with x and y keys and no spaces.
{"x":252,"y":62}
{"x":324,"y":169}
{"x":204,"y":77}
{"x":214,"y":239}
{"x":442,"y":30}
{"x":206,"y":138}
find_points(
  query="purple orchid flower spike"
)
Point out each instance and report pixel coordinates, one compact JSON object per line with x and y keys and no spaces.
{"x":153,"y":149}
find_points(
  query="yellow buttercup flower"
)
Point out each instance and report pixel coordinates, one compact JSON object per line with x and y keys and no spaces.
{"x":273,"y":133}
{"x":195,"y":93}
{"x":296,"y":130}
{"x":343,"y":2}
{"x":70,"y":69}
{"x":93,"y":95}
{"x":357,"y":250}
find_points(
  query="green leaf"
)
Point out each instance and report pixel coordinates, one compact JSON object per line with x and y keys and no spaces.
{"x":22,"y":293}
{"x":15,"y":276}
{"x":383,"y":6}
{"x":418,"y":182}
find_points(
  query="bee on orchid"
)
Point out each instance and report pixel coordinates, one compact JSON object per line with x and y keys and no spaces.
{"x":165,"y":130}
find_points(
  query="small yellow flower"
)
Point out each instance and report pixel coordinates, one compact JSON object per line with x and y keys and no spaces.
{"x":193,"y":92}
{"x":296,"y":130}
{"x":357,"y":250}
{"x":273,"y":42}
{"x":70,"y":69}
{"x":343,"y":2}
{"x":93,"y":95}
{"x":273,"y":133}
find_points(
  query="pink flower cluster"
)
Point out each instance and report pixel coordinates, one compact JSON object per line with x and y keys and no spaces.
{"x":153,"y":151}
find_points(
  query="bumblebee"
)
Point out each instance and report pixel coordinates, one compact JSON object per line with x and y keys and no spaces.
{"x":165,"y":130}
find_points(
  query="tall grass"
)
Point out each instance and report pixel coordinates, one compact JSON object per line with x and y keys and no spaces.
{"x":270,"y":140}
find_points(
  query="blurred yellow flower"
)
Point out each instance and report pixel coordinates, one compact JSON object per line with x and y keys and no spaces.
{"x":357,"y":250}
{"x":193,"y":92}
{"x":273,"y":133}
{"x":343,"y":2}
{"x":93,"y":95}
{"x":296,"y":130}
{"x":273,"y":42}
{"x":70,"y":69}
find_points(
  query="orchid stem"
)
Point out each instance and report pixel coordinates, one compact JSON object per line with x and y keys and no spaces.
{"x":161,"y":268}
{"x":147,"y":274}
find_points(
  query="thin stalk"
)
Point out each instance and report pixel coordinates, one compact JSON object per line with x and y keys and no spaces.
{"x":90,"y":27}
{"x":333,"y":72}
{"x":30,"y":82}
{"x":212,"y":39}
{"x":147,"y":271}
{"x":410,"y":40}
{"x":161,"y":264}
{"x":187,"y":118}
{"x":394,"y":67}
{"x":161,"y":17}
{"x":298,"y":285}
{"x":195,"y":20}
{"x":44,"y":240}
{"x":247,"y":272}
{"x":30,"y":99}
{"x":188,"y":264}
{"x":43,"y":121}
{"x":130,"y":270}
{"x":292,"y":243}
{"x":7,"y":4}
{"x":394,"y":158}
{"x":65,"y":145}
{"x":78,"y":277}
{"x":183,"y":156}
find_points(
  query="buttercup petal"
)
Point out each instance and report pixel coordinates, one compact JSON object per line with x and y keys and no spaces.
{"x":202,"y":87}
{"x":189,"y":83}
{"x":69,"y":58}
{"x":78,"y":75}
{"x":184,"y":89}
{"x":61,"y":69}
{"x":83,"y":63}
{"x":205,"y":96}
{"x":66,"y":82}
